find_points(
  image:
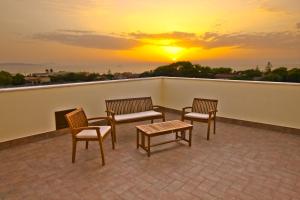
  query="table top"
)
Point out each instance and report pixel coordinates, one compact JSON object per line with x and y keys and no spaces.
{"x":161,"y":127}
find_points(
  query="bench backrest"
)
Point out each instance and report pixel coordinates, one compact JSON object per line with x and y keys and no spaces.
{"x":204,"y":105}
{"x":130,"y":105}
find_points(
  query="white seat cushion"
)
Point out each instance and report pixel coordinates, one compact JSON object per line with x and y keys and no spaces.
{"x":197,"y":115}
{"x":150,"y":113}
{"x":93,"y":133}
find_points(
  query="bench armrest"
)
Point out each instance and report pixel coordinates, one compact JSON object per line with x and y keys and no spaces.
{"x":94,"y":118}
{"x":185,"y":108}
{"x":213,"y":111}
{"x":156,"y":107}
{"x":102,"y":118}
{"x":110,"y":115}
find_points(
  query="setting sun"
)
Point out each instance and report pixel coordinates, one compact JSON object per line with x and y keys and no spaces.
{"x":173,"y":52}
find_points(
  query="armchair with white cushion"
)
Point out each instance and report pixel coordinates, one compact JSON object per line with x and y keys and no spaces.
{"x":81,"y":131}
{"x":202,"y":110}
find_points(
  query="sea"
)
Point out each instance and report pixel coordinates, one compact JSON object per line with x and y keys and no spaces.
{"x":29,"y":68}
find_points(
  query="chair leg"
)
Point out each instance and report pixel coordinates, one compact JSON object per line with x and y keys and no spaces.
{"x":114,"y":130}
{"x":86,"y":144}
{"x":208,"y":130}
{"x":102,"y":152}
{"x":74,"y":150}
{"x":215,"y":126}
{"x":112,"y":139}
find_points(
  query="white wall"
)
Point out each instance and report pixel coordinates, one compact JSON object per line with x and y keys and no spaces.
{"x":29,"y":111}
{"x":270,"y":103}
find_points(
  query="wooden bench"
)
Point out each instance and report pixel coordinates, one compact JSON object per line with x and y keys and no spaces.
{"x":132,"y":110}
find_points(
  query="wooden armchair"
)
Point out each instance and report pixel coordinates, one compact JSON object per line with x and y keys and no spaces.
{"x":81,"y":131}
{"x":202,"y":110}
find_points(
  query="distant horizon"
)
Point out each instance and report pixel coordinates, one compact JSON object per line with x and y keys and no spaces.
{"x":28,"y":68}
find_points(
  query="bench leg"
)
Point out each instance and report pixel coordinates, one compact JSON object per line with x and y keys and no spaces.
{"x":114,"y":131}
{"x":215,"y":126}
{"x":149,"y":146}
{"x":208,"y":130}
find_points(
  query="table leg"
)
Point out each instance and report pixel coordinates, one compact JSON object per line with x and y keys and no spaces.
{"x":183,"y":135}
{"x":143,"y":139}
{"x":148,"y":146}
{"x":190,"y":137}
{"x":137,"y":139}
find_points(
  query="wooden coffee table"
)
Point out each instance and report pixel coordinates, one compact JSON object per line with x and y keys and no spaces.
{"x":152,"y":130}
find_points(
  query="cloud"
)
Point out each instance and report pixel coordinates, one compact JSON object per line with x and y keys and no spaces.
{"x":208,"y":40}
{"x":173,"y":35}
{"x":283,"y":7}
{"x":249,"y":40}
{"x":75,"y":31}
{"x":211,"y":40}
{"x":88,"y":39}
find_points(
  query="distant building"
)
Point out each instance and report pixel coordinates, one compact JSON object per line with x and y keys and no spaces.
{"x":36,"y":80}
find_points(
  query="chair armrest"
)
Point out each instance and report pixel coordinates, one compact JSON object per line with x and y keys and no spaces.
{"x":96,"y":128}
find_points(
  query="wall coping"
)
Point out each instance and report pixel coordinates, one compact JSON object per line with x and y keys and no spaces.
{"x":234,"y":81}
{"x":15,"y":89}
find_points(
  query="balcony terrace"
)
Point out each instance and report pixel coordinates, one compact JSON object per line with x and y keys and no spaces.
{"x":254,"y":155}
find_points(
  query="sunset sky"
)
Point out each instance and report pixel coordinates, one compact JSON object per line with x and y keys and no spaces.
{"x":139,"y":34}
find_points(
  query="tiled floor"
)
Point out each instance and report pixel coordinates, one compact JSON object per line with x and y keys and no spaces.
{"x":237,"y":163}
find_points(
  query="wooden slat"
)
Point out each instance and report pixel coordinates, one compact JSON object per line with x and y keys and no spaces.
{"x":157,"y":128}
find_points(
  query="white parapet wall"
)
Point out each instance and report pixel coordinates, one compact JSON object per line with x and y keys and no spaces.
{"x":30,"y":110}
{"x":256,"y":101}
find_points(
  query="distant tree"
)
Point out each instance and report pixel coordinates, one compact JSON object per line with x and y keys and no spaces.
{"x":47,"y":71}
{"x":221,"y":70}
{"x":146,"y":74}
{"x":282,"y":72}
{"x":187,"y":69}
{"x":268,"y":67}
{"x":5,"y":78}
{"x":18,"y":79}
{"x":204,"y":72}
{"x":294,"y":75}
{"x":51,"y":70}
{"x":272,"y":77}
{"x":249,"y":74}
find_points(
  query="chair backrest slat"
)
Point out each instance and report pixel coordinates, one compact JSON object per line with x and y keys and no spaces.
{"x":77,"y":119}
{"x":204,"y":105}
{"x":129,"y":105}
